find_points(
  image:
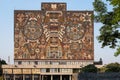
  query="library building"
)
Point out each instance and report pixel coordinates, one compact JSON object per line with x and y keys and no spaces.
{"x":52,"y":43}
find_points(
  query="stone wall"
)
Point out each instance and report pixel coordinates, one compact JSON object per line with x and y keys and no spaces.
{"x":99,"y":76}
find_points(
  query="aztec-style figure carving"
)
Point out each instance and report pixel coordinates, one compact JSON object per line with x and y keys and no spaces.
{"x":53,"y":33}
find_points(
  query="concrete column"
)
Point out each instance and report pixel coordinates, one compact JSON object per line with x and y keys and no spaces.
{"x":23,"y":77}
{"x":14,"y":77}
{"x":70,"y":77}
{"x":33,"y":77}
{"x":5,"y":76}
{"x":40,"y":77}
{"x":60,"y":77}
{"x":51,"y":77}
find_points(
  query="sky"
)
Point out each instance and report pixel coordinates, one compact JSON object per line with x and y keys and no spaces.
{"x":7,"y":8}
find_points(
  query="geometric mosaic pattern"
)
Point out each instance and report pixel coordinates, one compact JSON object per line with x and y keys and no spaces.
{"x":53,"y":33}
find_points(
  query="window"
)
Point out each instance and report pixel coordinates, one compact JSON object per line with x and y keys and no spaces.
{"x":43,"y":70}
{"x":19,"y":62}
{"x":58,"y":70}
{"x":66,"y":70}
{"x":54,"y":70}
{"x":36,"y":62}
{"x":47,"y":70}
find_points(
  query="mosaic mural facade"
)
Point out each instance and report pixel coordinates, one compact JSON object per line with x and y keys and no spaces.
{"x":53,"y":33}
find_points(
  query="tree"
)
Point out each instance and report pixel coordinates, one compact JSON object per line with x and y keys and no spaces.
{"x":89,"y":68}
{"x":113,"y":67}
{"x":1,"y":63}
{"x":110,"y":31}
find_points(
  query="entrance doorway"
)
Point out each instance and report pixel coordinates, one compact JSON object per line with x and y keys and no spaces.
{"x":28,"y":77}
{"x":47,"y":77}
{"x":56,"y":77}
{"x":65,"y":77}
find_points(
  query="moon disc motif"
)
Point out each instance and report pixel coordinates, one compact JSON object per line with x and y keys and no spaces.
{"x":32,"y":30}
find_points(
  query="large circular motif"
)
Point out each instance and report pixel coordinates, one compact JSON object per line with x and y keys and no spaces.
{"x":32,"y":30}
{"x":75,"y":31}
